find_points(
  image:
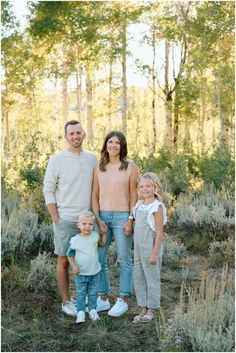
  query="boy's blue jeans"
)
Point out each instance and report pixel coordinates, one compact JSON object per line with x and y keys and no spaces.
{"x":115,"y":221}
{"x":86,"y":285}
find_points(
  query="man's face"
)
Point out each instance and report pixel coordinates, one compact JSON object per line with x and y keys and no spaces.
{"x":75,"y":135}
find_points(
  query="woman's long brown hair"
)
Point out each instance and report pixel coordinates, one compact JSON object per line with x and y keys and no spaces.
{"x":104,"y":159}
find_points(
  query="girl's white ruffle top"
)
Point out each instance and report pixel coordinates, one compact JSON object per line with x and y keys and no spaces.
{"x":151,"y":208}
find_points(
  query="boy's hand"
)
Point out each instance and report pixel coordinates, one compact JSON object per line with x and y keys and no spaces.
{"x":153,"y":259}
{"x":76,"y":270}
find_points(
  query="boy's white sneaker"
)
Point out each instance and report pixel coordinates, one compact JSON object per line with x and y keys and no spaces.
{"x":119,"y":308}
{"x":102,"y":305}
{"x":80,"y":317}
{"x":69,"y":308}
{"x":93,"y":315}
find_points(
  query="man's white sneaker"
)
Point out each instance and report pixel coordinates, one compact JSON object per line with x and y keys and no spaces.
{"x":102,"y":305}
{"x":93,"y":315}
{"x":69,"y":308}
{"x":80,"y":317}
{"x":119,"y":308}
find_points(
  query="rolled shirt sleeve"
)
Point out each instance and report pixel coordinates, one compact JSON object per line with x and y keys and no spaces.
{"x":50,"y":183}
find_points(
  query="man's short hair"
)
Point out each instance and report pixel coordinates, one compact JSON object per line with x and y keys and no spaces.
{"x":71,"y":122}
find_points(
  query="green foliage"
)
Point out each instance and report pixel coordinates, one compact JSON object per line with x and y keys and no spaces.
{"x":173,"y":252}
{"x":22,"y":238}
{"x":19,"y":230}
{"x":206,"y":322}
{"x":207,"y":207}
{"x":218,"y":167}
{"x":42,"y":274}
{"x":23,"y":173}
{"x":222,"y":252}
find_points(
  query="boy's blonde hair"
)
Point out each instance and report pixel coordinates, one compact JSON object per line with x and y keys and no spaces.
{"x":155,"y":181}
{"x":86,"y":214}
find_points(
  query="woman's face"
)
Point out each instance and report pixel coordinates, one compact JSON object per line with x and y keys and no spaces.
{"x":113,"y":146}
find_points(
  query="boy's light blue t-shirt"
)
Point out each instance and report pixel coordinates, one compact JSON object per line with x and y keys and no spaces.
{"x":85,"y":250}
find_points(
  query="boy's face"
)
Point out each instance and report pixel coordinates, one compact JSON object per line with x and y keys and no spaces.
{"x":86,"y":225}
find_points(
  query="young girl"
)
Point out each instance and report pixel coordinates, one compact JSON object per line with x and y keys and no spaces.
{"x":150,"y":216}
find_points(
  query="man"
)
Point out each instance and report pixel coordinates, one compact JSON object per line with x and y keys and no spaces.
{"x":67,"y":191}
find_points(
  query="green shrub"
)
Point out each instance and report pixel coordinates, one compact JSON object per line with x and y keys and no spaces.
{"x":206,"y":322}
{"x":19,"y":229}
{"x":208,"y":207}
{"x":222,"y":252}
{"x":172,"y":252}
{"x":42,"y":274}
{"x":22,"y":237}
{"x":217,"y":167}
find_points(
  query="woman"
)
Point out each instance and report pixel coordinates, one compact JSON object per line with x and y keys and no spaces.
{"x":113,"y":198}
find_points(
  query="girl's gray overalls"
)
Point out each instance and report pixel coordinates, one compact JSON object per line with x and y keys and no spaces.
{"x":146,"y":277}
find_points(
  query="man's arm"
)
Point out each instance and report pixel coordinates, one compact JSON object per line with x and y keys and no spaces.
{"x":52,"y":209}
{"x":49,"y":190}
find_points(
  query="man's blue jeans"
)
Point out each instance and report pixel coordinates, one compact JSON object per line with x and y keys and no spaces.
{"x":115,"y":221}
{"x":86,"y":285}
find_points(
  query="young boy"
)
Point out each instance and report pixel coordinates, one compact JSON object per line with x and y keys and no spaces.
{"x":83,"y":258}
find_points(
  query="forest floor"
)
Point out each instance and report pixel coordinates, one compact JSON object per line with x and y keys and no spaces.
{"x":34,"y":322}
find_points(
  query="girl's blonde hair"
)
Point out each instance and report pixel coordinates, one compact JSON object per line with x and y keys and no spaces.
{"x":155,"y":181}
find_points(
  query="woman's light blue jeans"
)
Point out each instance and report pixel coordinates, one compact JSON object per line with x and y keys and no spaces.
{"x":114,"y":222}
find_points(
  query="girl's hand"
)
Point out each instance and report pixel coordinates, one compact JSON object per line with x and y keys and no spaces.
{"x":76,"y":270}
{"x":128,"y":228}
{"x":153,"y":260}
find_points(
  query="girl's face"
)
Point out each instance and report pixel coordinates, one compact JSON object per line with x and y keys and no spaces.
{"x":146,"y":188}
{"x":85,"y":225}
{"x":113,"y":146}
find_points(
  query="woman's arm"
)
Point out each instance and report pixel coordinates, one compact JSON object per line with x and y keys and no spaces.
{"x":95,"y":203}
{"x":159,"y":235}
{"x":128,"y":227}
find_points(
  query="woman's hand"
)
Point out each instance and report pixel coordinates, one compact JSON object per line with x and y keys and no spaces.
{"x":153,"y":259}
{"x":128,"y":228}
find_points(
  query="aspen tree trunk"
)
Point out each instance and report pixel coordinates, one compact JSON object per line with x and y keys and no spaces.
{"x":78,"y":76}
{"x":110,"y":92}
{"x":168,"y":99}
{"x":202,"y":118}
{"x":55,"y":116}
{"x":64,"y":100}
{"x":7,"y":131}
{"x":219,"y":105}
{"x":154,"y":90}
{"x":89,"y":94}
{"x":124,"y":79}
{"x":64,"y":87}
{"x":186,"y":130}
{"x":176,"y":118}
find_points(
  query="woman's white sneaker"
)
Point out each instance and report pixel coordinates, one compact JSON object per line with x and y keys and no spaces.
{"x":119,"y":308}
{"x":80,"y":317}
{"x":69,"y":308}
{"x":102,"y":305}
{"x":93,"y":315}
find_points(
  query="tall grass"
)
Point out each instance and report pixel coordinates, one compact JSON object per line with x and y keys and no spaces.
{"x":205,"y":322}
